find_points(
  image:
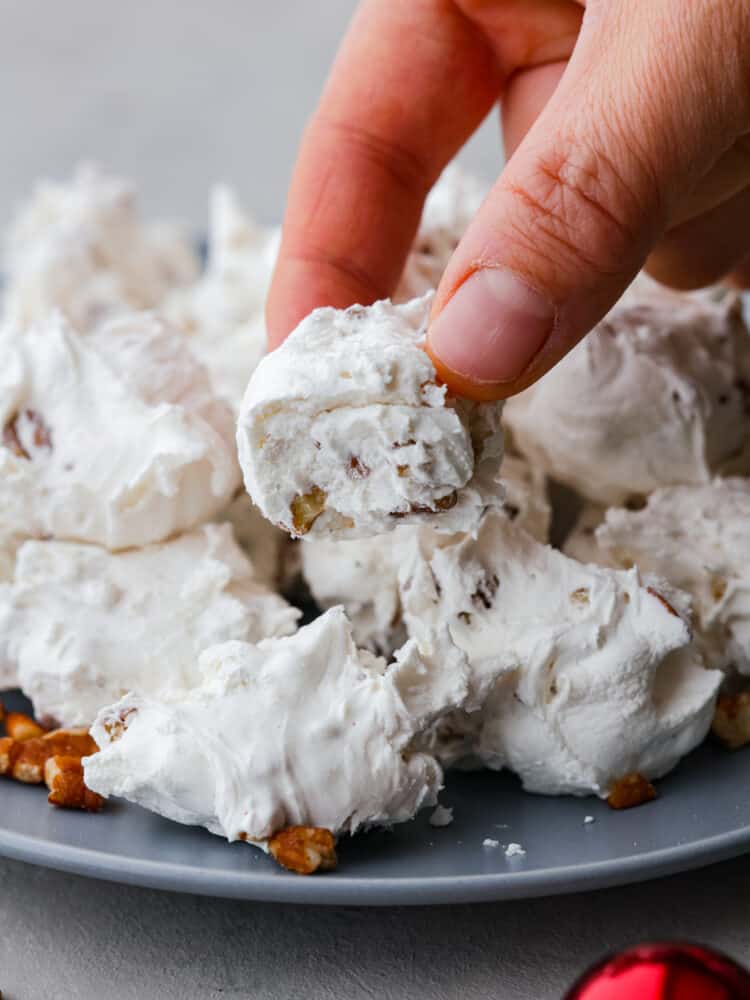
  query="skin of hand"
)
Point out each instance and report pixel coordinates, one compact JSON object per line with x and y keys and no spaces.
{"x":627,"y":129}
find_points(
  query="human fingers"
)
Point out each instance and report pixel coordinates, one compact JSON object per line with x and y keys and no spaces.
{"x":590,"y":189}
{"x":704,"y":249}
{"x":411,"y":82}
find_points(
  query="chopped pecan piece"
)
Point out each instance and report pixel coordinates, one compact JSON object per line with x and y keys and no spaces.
{"x":357,"y":468}
{"x":24,"y":760}
{"x":485,"y":593}
{"x":306,"y":508}
{"x":444,"y":503}
{"x":11,"y":440}
{"x":662,"y":600}
{"x":21,"y":727}
{"x":41,"y":436}
{"x":731,"y":722}
{"x":64,"y":778}
{"x":114,"y":728}
{"x":632,"y":790}
{"x":6,"y":754}
{"x":304,"y":849}
{"x":718,"y":587}
{"x":580,"y":595}
{"x":447,"y":502}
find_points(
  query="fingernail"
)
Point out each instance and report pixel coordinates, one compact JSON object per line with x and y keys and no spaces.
{"x":492,"y":328}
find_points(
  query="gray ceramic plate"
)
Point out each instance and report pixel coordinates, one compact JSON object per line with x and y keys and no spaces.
{"x":702,"y":815}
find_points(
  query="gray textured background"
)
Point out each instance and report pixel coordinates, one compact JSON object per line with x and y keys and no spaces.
{"x":178,"y":95}
{"x":175,"y":94}
{"x":64,"y":938}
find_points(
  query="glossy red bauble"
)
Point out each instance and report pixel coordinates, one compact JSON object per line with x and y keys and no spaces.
{"x":664,"y":972}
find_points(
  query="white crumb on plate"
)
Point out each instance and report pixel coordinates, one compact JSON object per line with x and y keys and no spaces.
{"x":489,"y":842}
{"x":589,"y":819}
{"x":442,"y":816}
{"x":514,"y":851}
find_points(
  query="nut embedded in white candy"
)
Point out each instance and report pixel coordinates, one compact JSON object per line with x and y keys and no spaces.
{"x":305,"y":730}
{"x":81,"y":248}
{"x":81,"y":626}
{"x":362,"y":573}
{"x":697,"y":537}
{"x":344,"y":431}
{"x":597,"y":678}
{"x":222,"y":313}
{"x":115,"y":438}
{"x":658,"y":394}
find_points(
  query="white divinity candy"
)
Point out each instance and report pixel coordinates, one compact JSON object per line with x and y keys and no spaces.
{"x":596,"y":676}
{"x":223,"y":312}
{"x":81,"y":248}
{"x":344,"y":431}
{"x":449,"y":208}
{"x":306,"y":730}
{"x":657,"y":395}
{"x":362,"y":573}
{"x":581,"y":543}
{"x":114,"y":438}
{"x":697,"y":537}
{"x":84,"y":626}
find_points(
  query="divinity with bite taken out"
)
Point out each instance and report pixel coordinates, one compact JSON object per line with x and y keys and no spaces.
{"x":362,"y":573}
{"x":344,"y":431}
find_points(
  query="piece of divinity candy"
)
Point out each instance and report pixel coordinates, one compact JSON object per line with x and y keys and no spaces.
{"x":362,"y":573}
{"x":345,"y":432}
{"x":658,"y":394}
{"x":115,"y":437}
{"x":81,"y":248}
{"x":306,"y":730}
{"x":697,"y":537}
{"x":82,"y":626}
{"x":597,"y":677}
{"x":223,"y":312}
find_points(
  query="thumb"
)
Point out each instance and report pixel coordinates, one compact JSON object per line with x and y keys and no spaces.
{"x":573,"y":215}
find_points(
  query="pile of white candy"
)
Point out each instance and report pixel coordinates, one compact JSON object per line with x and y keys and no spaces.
{"x":138,"y":582}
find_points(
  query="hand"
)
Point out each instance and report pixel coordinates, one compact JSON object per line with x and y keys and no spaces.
{"x":627,"y":126}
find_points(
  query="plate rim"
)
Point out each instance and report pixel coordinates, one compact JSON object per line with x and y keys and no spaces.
{"x":343,"y":890}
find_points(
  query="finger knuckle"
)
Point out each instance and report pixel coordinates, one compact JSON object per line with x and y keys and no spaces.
{"x":344,"y":270}
{"x":576,"y":207}
{"x":356,"y":143}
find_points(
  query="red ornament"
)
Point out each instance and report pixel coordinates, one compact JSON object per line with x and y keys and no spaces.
{"x":664,"y":972}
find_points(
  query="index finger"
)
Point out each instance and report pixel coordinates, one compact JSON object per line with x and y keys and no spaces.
{"x":412,"y":81}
